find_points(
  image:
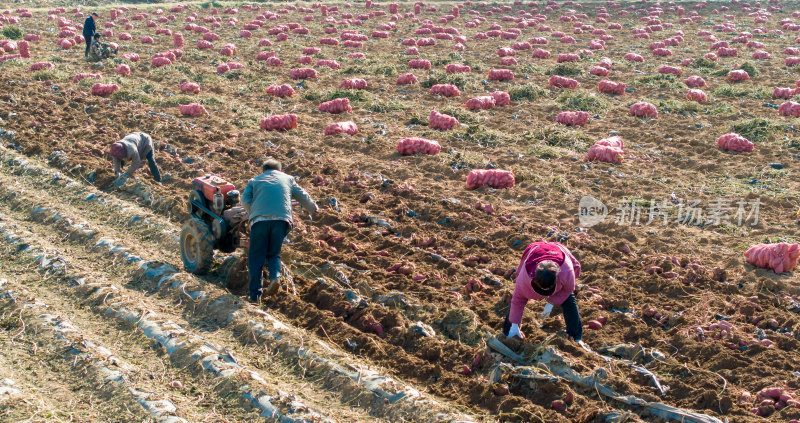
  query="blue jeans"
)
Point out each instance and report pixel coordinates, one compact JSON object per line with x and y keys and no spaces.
{"x":266,"y":239}
{"x":571,"y":318}
{"x":153,"y":166}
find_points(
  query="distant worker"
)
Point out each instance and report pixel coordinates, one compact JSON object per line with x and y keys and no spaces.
{"x":89,"y":28}
{"x":99,"y":50}
{"x":547,"y":270}
{"x":268,"y":200}
{"x":133,"y":148}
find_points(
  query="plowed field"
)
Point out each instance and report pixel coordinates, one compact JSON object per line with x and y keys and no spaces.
{"x":400,"y":283}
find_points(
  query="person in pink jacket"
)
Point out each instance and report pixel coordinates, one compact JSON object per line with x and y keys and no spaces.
{"x":547,"y":270}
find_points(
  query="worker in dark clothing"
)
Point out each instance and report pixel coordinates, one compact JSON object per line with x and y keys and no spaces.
{"x":89,"y":28}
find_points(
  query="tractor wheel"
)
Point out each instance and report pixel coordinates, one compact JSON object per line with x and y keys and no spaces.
{"x":197,"y":246}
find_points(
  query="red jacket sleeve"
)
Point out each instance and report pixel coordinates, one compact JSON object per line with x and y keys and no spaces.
{"x":576,"y":265}
{"x":518,"y":302}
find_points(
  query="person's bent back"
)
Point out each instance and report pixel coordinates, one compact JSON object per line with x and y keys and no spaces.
{"x":270,"y":195}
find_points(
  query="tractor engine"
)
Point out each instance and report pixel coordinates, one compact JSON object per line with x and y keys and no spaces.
{"x":217,"y":194}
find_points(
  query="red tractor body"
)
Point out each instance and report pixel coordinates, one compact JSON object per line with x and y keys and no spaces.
{"x":209,"y":185}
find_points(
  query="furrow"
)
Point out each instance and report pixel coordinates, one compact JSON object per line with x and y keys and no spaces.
{"x":185,"y":350}
{"x":113,"y":375}
{"x":381,"y":395}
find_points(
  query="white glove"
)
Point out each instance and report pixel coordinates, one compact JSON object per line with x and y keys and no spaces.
{"x":514,"y":331}
{"x":547,"y":309}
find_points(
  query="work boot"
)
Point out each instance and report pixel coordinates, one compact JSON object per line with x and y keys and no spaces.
{"x":255,"y":299}
{"x":273,"y":287}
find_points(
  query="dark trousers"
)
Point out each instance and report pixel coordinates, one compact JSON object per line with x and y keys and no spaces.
{"x":153,"y":167}
{"x":88,"y":44}
{"x":266,"y":239}
{"x":571,"y":318}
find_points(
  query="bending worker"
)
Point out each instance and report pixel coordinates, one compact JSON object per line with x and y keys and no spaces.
{"x":133,"y":148}
{"x":547,"y":271}
{"x":99,"y":50}
{"x":268,"y":200}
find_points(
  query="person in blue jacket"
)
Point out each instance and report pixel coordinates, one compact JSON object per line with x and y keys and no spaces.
{"x":89,"y":28}
{"x":268,"y":200}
